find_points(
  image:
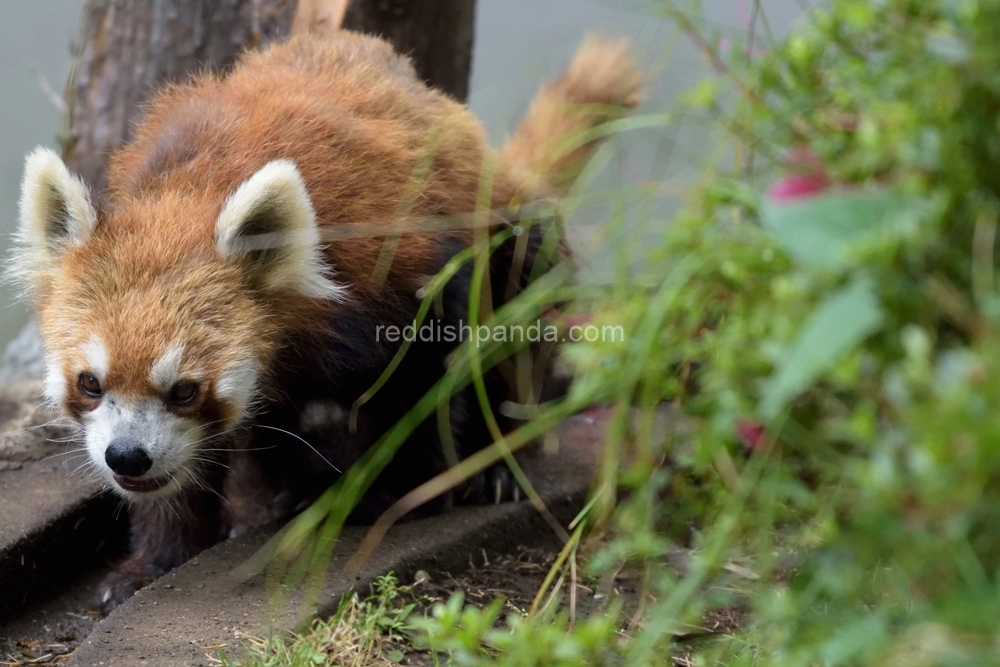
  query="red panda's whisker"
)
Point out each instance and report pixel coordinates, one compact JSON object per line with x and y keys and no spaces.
{"x":76,"y":450}
{"x":302,"y":440}
{"x":87,"y":461}
{"x":245,"y":449}
{"x":204,"y":459}
{"x":78,"y":456}
{"x":88,"y":470}
{"x":192,"y":474}
{"x":54,"y":423}
{"x":207,"y":425}
{"x":170,"y":503}
{"x":207,"y":438}
{"x":63,"y":440}
{"x":122,"y":502}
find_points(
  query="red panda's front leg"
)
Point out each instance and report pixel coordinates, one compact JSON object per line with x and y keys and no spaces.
{"x":165,"y":532}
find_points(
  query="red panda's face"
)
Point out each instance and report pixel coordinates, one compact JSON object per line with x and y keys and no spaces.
{"x":156,"y":337}
{"x":157,"y":363}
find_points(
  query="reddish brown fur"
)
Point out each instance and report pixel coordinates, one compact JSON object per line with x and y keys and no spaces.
{"x":357,"y":124}
{"x":600,"y":84}
{"x":354,"y":119}
{"x":374,"y":146}
{"x":356,"y":134}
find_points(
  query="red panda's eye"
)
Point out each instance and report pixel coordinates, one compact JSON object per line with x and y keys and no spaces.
{"x":183,"y":393}
{"x":90,"y":385}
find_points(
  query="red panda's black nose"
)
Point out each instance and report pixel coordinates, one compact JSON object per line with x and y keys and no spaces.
{"x":128,"y":458}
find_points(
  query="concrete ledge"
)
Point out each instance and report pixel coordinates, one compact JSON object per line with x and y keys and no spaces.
{"x":53,"y":524}
{"x":58,"y":529}
{"x":184,"y":617}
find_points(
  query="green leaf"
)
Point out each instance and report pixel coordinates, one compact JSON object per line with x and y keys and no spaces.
{"x":703,"y":95}
{"x":846,"y":318}
{"x":818,"y":232}
{"x":394,"y":655}
{"x":314,"y":656}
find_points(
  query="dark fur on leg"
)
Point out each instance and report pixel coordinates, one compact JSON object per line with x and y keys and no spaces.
{"x":165,"y":532}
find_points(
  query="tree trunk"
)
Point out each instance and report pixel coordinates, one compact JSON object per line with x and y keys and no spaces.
{"x":130,"y":48}
{"x":436,"y":34}
{"x":319,"y":17}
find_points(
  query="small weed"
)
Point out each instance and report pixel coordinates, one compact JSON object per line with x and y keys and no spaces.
{"x":368,"y":632}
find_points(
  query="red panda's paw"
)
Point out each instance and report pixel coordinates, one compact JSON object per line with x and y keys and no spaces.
{"x":118,"y":587}
{"x":492,"y":486}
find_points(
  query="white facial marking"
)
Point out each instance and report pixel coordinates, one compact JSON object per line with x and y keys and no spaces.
{"x":96,"y":355}
{"x":54,"y":384}
{"x":168,"y":439}
{"x":167,"y":369}
{"x":238,"y":385}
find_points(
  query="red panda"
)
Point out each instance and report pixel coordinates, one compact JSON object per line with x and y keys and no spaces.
{"x":191,"y":313}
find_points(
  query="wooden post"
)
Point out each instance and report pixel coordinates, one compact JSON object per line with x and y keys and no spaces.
{"x":319,"y":16}
{"x":436,"y":34}
{"x":130,"y":48}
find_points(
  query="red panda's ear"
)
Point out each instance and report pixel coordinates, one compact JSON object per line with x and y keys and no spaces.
{"x":56,"y":213}
{"x":269,"y":229}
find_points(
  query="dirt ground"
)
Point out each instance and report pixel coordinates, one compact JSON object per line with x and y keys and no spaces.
{"x":517,"y":578}
{"x":49,"y":632}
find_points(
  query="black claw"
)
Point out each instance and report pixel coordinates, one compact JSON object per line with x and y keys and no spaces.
{"x":120,"y":585}
{"x":492,"y":486}
{"x":116,"y":589}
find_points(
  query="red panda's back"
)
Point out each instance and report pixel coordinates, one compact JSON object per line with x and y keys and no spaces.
{"x":372,"y":142}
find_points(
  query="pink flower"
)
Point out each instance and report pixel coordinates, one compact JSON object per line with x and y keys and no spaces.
{"x":751,"y":433}
{"x":793,"y":187}
{"x":810,"y":178}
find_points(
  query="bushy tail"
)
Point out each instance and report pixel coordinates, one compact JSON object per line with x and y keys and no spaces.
{"x":551,"y":142}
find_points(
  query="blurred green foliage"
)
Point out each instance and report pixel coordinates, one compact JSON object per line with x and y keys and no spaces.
{"x":855,"y":331}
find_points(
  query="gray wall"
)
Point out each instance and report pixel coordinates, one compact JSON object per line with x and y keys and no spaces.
{"x":35,"y":38}
{"x":521,"y":42}
{"x":518,"y":44}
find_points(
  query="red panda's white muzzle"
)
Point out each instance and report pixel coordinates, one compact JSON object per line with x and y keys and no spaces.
{"x":142,"y":448}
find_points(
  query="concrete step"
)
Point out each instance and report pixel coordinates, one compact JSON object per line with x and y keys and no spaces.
{"x":58,"y":529}
{"x":54,"y":523}
{"x":186,"y":616}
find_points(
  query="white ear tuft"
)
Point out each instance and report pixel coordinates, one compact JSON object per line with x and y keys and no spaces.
{"x":269,"y":227}
{"x":56,"y":212}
